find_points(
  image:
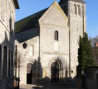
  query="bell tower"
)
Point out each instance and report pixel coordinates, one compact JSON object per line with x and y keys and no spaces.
{"x":76,"y":13}
{"x":70,"y":6}
{"x":64,"y":6}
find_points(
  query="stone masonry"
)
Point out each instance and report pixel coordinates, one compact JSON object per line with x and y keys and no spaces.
{"x":43,"y":50}
{"x":7,"y":37}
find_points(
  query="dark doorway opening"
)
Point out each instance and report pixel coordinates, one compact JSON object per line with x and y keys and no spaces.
{"x":29,"y":73}
{"x":55,"y":73}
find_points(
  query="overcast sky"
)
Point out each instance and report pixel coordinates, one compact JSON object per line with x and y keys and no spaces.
{"x":29,"y":7}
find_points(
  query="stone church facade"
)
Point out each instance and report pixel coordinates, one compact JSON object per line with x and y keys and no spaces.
{"x":7,"y":37}
{"x":47,"y":43}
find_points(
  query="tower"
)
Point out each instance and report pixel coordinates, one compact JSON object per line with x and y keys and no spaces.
{"x":76,"y":13}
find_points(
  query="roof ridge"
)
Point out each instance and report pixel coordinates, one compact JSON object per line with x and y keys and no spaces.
{"x":24,"y":23}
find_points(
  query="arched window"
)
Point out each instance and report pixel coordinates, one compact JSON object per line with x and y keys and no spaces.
{"x":10,"y":24}
{"x":56,"y":35}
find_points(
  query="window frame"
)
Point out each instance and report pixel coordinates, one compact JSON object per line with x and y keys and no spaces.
{"x":56,"y":35}
{"x":79,"y":10}
{"x":4,"y":62}
{"x":75,"y":9}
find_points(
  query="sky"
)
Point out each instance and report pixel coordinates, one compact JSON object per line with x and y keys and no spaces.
{"x":29,"y":7}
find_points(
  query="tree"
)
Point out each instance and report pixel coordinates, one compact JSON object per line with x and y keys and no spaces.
{"x":95,"y":55}
{"x":94,"y":42}
{"x":85,"y":53}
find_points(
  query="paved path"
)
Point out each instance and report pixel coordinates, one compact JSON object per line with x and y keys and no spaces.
{"x":44,"y":87}
{"x":30,"y":87}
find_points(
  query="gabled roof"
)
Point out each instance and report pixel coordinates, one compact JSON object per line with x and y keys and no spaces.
{"x":32,"y":21}
{"x":63,"y":1}
{"x":51,"y":12}
{"x":29,"y":22}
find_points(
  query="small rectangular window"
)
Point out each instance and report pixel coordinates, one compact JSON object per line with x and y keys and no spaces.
{"x":12,"y":63}
{"x":79,"y":10}
{"x":10,"y":24}
{"x":9,"y":66}
{"x":5,"y":62}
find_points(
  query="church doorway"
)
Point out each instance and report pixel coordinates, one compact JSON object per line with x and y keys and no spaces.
{"x":55,"y":73}
{"x":29,"y":73}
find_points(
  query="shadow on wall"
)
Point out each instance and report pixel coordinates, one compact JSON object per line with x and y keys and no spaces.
{"x":34,"y":71}
{"x":36,"y":75}
{"x":6,"y":61}
{"x":23,"y":36}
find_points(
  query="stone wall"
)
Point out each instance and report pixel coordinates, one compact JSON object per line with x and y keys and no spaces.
{"x":77,"y":26}
{"x":7,"y":36}
{"x":51,"y":50}
{"x":91,"y":77}
{"x":48,"y":50}
{"x":76,"y":12}
{"x":31,"y":38}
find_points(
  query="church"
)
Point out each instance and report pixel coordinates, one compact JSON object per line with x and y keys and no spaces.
{"x":47,"y":43}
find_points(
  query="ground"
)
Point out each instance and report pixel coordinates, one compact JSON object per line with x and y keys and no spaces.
{"x":48,"y":86}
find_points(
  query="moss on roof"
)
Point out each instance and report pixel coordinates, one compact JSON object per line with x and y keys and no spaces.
{"x":28,"y":22}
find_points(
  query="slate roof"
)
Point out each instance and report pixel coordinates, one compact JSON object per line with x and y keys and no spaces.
{"x":62,"y":1}
{"x":16,"y":4}
{"x":28,"y":22}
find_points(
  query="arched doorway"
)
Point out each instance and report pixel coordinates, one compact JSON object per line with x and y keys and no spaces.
{"x":55,"y":72}
{"x":29,"y":73}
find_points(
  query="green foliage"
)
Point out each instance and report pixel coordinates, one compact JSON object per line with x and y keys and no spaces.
{"x":95,"y":55}
{"x":16,"y":78}
{"x":85,"y":52}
